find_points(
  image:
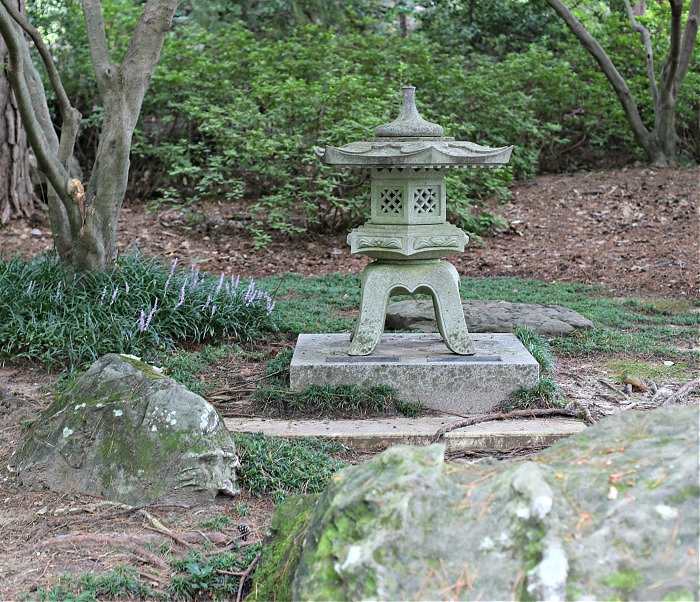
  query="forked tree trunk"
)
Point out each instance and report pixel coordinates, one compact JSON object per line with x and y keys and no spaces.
{"x":84,"y":218}
{"x":660,"y":142}
{"x":16,"y":191}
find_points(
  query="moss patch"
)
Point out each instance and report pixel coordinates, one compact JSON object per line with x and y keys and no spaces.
{"x":274,"y":577}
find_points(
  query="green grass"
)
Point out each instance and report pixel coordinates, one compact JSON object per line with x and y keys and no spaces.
{"x":279,"y":467}
{"x":185,"y":366}
{"x":199,"y":577}
{"x":320,"y":401}
{"x":623,"y":369}
{"x":51,"y":315}
{"x":120,"y":583}
{"x":196,"y":577}
{"x":274,"y":397}
{"x":545,"y":394}
{"x":649,"y":328}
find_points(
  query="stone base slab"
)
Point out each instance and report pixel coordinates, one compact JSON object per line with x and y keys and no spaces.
{"x":421,"y":368}
{"x":374,"y":435}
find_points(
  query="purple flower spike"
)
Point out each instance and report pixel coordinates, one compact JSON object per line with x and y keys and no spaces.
{"x":173,"y":265}
{"x":181,"y":299}
{"x":219,"y":285}
{"x":153,"y":311}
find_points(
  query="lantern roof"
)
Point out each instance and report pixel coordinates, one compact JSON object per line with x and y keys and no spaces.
{"x":412,"y":141}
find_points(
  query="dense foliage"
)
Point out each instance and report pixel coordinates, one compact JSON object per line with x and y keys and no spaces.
{"x":59,"y":318}
{"x":245,"y":90}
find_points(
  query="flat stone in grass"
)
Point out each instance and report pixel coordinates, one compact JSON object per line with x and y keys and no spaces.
{"x":417,"y":315}
{"x":420,"y":368}
{"x":127,"y":433}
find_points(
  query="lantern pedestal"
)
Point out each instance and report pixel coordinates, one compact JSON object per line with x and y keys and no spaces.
{"x":435,"y":277}
{"x":420,"y":368}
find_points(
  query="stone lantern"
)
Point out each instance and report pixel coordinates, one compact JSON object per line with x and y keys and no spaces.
{"x":408,"y":234}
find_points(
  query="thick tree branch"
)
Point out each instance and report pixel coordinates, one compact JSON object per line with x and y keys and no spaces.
{"x":143,"y":52}
{"x":689,"y":37}
{"x":105,"y":70}
{"x":56,"y":174}
{"x":672,"y":61}
{"x":607,"y":66}
{"x":67,"y":110}
{"x":648,"y":49}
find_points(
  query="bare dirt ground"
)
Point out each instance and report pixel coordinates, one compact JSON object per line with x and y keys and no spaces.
{"x":634,"y":230}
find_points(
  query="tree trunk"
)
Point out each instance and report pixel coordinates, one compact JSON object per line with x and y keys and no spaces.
{"x":16,"y":192}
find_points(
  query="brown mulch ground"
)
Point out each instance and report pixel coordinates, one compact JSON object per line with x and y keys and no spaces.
{"x":635,"y":230}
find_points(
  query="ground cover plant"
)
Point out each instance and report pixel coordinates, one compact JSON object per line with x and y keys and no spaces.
{"x":274,"y":397}
{"x":649,"y":328}
{"x":280,"y":467}
{"x":54,"y":316}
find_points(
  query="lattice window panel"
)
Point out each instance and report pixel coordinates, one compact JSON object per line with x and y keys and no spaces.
{"x":390,"y":200}
{"x":425,"y":201}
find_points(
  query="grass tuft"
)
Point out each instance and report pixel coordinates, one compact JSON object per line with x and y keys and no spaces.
{"x":120,"y":583}
{"x":63,"y":319}
{"x":276,"y":466}
{"x":275,"y":398}
{"x":545,"y":394}
{"x":321,"y":401}
{"x":200,"y":576}
{"x":538,"y":346}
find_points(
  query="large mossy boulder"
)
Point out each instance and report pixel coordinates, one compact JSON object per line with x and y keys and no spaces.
{"x":610,"y":514}
{"x":125,"y":432}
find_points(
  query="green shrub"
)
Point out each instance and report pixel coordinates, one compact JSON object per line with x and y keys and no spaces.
{"x":54,"y":316}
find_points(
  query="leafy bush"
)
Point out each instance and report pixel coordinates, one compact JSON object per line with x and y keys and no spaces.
{"x":59,"y":318}
{"x":272,"y":465}
{"x":234,"y":111}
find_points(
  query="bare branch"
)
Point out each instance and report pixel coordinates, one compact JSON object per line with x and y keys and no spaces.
{"x":618,"y":83}
{"x":648,"y":49}
{"x":64,"y":104}
{"x":689,"y":37}
{"x":97,"y":40}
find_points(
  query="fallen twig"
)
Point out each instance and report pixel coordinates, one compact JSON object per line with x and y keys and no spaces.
{"x":533,"y":413}
{"x":245,"y":575}
{"x":602,"y":381}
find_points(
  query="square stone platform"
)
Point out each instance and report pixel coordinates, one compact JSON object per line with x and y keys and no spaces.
{"x":421,"y":368}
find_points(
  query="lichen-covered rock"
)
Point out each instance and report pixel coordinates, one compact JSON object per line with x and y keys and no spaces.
{"x":125,"y":432}
{"x":418,"y":315}
{"x":610,"y":514}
